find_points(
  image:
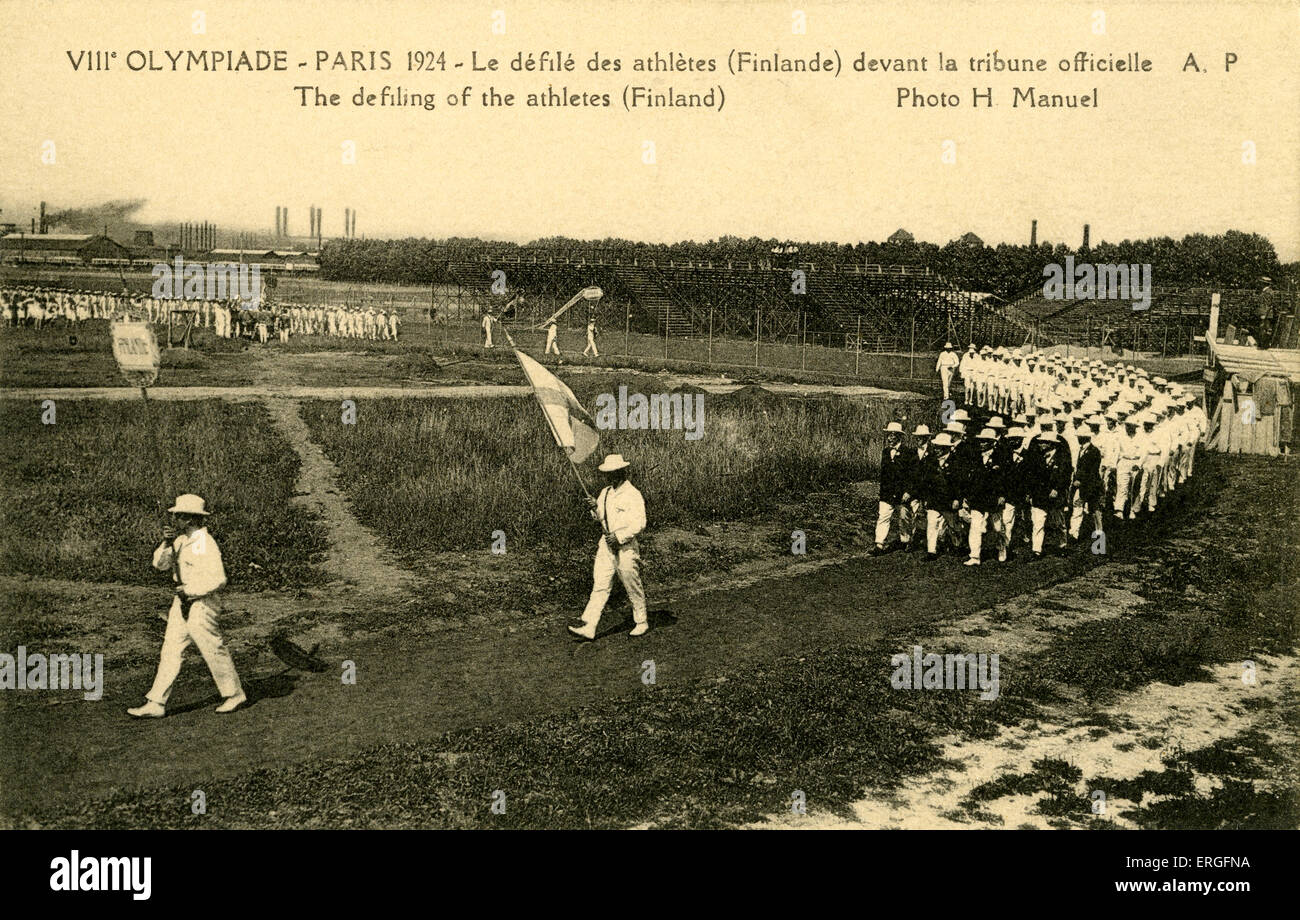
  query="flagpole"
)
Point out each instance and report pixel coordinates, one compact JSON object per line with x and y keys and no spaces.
{"x":573,"y":466}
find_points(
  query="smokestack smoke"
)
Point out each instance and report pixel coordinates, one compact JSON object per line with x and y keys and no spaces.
{"x":91,"y":218}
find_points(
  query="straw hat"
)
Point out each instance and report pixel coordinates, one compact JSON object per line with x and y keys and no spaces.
{"x":189,"y":504}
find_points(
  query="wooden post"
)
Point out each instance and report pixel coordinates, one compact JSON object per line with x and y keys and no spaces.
{"x":803,"y":354}
{"x":857,"y":349}
{"x":911,"y":366}
{"x":710,"y":333}
{"x":627,"y":326}
{"x":758,"y":326}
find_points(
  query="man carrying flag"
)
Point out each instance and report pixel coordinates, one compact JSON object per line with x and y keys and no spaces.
{"x":620,"y":509}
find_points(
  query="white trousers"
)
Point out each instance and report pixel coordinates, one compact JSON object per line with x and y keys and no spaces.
{"x":591,"y":348}
{"x":628,"y":566}
{"x":552,"y":346}
{"x":906,"y":520}
{"x":981,"y":521}
{"x":1008,"y":525}
{"x":945,"y":374}
{"x":938,"y":526}
{"x":1127,"y":478}
{"x":1152,"y":475}
{"x":1042,"y":519}
{"x":202,"y":630}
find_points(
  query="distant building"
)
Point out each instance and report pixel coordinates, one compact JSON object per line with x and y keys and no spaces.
{"x":969,"y":239}
{"x":62,"y":248}
{"x":901,"y":236}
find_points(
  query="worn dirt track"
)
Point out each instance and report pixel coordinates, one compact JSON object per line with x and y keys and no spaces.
{"x":494,"y":674}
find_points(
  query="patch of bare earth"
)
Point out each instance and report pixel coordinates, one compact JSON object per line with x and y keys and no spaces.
{"x":1105,"y":761}
{"x":357,"y":557}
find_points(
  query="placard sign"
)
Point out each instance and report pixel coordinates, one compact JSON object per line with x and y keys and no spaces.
{"x":136,"y":351}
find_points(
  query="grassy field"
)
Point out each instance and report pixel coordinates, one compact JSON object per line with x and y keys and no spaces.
{"x":444,"y":474}
{"x":84,"y":498}
{"x":734,"y":748}
{"x":61,"y":356}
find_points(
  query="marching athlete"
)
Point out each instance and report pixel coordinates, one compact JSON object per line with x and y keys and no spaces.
{"x":620,"y":509}
{"x":194,"y":559}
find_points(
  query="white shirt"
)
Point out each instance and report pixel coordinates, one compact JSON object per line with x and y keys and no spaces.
{"x":622,"y":511}
{"x":200,"y":570}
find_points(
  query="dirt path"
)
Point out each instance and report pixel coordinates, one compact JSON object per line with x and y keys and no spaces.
{"x":245,"y":394}
{"x":357,"y":557}
{"x":496,"y":673}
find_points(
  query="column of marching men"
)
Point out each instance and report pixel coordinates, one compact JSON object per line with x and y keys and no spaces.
{"x":1065,"y":441}
{"x":36,"y":306}
{"x":343,"y":322}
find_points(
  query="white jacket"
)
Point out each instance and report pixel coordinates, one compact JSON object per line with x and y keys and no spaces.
{"x":622,"y":511}
{"x":195,"y":563}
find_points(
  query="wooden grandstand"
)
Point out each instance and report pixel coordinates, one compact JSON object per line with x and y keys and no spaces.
{"x":871,"y":306}
{"x":867,"y":306}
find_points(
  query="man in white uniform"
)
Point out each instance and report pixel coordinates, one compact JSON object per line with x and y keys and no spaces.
{"x":947,"y":366}
{"x":620,"y":509}
{"x":967,"y":367}
{"x":194,"y":560}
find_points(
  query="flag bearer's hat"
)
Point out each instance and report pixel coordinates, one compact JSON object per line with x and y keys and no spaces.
{"x":189,"y":504}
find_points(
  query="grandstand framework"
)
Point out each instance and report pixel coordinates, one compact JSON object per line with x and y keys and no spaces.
{"x":869,"y":307}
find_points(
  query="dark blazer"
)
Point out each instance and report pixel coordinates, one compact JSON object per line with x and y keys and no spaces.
{"x":916,"y":471}
{"x":984,"y":484}
{"x":1088,"y":474}
{"x":895,"y":474}
{"x":934,"y":483}
{"x":1043,"y":475}
{"x":965,"y":459}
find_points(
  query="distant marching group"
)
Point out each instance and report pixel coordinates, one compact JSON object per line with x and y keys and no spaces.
{"x":1085,"y":437}
{"x":342,"y":322}
{"x":37,"y":306}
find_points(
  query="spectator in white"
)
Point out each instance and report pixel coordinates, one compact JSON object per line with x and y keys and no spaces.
{"x":552,"y":332}
{"x":947,"y":366}
{"x":195,"y":563}
{"x":967,"y":366}
{"x":487,"y":330}
{"x":591,"y":340}
{"x":620,"y":509}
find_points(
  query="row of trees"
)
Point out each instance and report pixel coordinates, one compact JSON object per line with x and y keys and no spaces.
{"x":1231,"y":259}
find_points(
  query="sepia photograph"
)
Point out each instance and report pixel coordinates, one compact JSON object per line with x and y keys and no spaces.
{"x":715,"y":415}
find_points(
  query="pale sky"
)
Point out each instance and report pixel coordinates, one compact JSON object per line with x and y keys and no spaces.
{"x":798,"y":156}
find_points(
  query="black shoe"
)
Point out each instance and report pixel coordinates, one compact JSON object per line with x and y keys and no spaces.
{"x":931,"y":557}
{"x":877,"y":551}
{"x":909,"y":546}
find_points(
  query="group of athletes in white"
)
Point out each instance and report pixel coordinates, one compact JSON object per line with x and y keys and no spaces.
{"x":37,"y":306}
{"x":1063,"y":440}
{"x":341,"y":322}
